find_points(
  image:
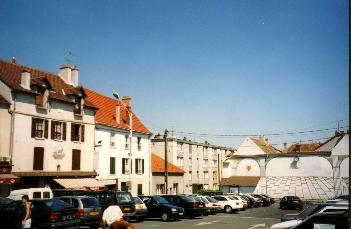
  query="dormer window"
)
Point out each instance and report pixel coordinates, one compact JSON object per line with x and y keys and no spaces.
{"x":78,"y":107}
{"x":42,"y":89}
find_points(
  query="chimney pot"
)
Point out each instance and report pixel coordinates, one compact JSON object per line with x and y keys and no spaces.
{"x":65,"y":73}
{"x":25,"y":80}
{"x":74,"y":76}
{"x":127,"y":101}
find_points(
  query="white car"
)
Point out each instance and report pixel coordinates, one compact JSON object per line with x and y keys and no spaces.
{"x":244,"y":202}
{"x":292,"y":223}
{"x":229,"y":204}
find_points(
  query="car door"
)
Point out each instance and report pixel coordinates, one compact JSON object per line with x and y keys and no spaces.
{"x":12,"y":214}
{"x":154,"y":209}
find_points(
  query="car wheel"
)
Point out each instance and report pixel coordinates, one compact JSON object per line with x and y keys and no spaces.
{"x":164,"y":217}
{"x":227,"y":209}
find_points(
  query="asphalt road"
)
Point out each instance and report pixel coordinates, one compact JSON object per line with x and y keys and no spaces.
{"x":251,"y":218}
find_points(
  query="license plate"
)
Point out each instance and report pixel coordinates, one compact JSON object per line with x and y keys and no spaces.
{"x":180,"y":213}
{"x":67,"y":217}
{"x":93,"y":213}
{"x":139,"y":207}
{"x":126,"y":209}
{"x":201,"y":206}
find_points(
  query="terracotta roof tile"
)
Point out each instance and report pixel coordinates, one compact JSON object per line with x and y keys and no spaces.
{"x":248,"y":181}
{"x":106,"y":114}
{"x":10,"y":74}
{"x":158,"y":165}
{"x":266,"y":147}
{"x":303,"y":147}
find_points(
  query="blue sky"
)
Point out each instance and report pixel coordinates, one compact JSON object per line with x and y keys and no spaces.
{"x":213,"y":67}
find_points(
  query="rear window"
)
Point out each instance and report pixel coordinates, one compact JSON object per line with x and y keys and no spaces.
{"x":46,"y":195}
{"x":57,"y":204}
{"x":212,"y":200}
{"x":137,"y":200}
{"x":124,"y":198}
{"x":36,"y":195}
{"x":293,"y":198}
{"x":220,"y":198}
{"x":90,"y":202}
{"x":186,"y":199}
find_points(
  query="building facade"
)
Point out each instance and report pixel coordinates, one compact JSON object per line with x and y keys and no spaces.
{"x":122,"y":145}
{"x":49,"y":125}
{"x":201,"y":162}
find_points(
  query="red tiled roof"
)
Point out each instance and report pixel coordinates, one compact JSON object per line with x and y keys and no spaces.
{"x":308,"y":147}
{"x":266,"y":147}
{"x":246,"y":181}
{"x":106,"y":114}
{"x":158,"y":165}
{"x":10,"y":74}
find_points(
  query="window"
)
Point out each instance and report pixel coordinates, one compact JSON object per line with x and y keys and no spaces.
{"x":205,"y":162}
{"x":160,"y":189}
{"x":112,"y":140}
{"x":180,"y":161}
{"x":58,"y":130}
{"x":139,"y":166}
{"x":140,"y":189}
{"x":78,"y":107}
{"x":127,"y":142}
{"x":40,"y":128}
{"x":41,"y":100}
{"x":190,"y":175}
{"x":112,"y":165}
{"x":139,"y":143}
{"x":206,"y":175}
{"x":125,"y":166}
{"x":75,"y":159}
{"x":214,"y":163}
{"x":124,"y":186}
{"x":36,"y":195}
{"x":215,"y":175}
{"x":38,"y":160}
{"x":77,"y":132}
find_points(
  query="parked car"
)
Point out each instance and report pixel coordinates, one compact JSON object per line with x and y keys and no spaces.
{"x":158,"y":207}
{"x":211,"y":208}
{"x":229,"y":204}
{"x":311,"y":210}
{"x":89,"y":209}
{"x":106,"y":198}
{"x":191,"y":207}
{"x":48,"y":213}
{"x":325,"y":220}
{"x":265,"y":200}
{"x":270,"y":198}
{"x":33,"y":193}
{"x":215,"y":203}
{"x":291,"y":202}
{"x":5,"y":201}
{"x":257,"y":202}
{"x":140,"y":209}
{"x":344,"y":197}
{"x":243,"y":202}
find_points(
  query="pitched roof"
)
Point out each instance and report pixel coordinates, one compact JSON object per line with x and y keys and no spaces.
{"x":265,"y":146}
{"x":158,"y":165}
{"x":106,"y":114}
{"x":329,"y":144}
{"x":300,"y":148}
{"x":10,"y":74}
{"x":248,"y":181}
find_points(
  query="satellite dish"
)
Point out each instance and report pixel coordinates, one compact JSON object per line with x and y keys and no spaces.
{"x":115,"y":94}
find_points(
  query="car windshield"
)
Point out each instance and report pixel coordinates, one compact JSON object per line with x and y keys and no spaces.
{"x":293,"y":198}
{"x":124,"y":197}
{"x":90,"y":202}
{"x":212,"y":200}
{"x":57,"y":204}
{"x":186,"y":199}
{"x":308,"y":211}
{"x":161,"y":200}
{"x":204,"y":200}
{"x":137,"y":200}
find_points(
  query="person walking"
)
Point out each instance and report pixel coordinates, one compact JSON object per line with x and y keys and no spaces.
{"x":27,"y":221}
{"x":113,"y":218}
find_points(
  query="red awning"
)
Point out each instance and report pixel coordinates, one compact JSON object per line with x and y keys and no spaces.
{"x":80,"y":183}
{"x":8,"y":178}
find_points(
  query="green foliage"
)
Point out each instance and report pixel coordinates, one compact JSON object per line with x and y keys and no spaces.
{"x":204,"y":191}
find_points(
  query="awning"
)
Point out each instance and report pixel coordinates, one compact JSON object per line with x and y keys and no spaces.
{"x":80,"y":183}
{"x":8,"y":178}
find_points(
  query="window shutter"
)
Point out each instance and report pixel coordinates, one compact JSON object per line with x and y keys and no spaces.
{"x":136,"y":166}
{"x":72,"y":132}
{"x":112,"y":165}
{"x":38,"y":159}
{"x":142,"y":166}
{"x":52,"y":129}
{"x":46,"y":133}
{"x":39,"y":100}
{"x":123,"y":166}
{"x":33,"y":127}
{"x":75,"y":159}
{"x":64,"y":131}
{"x":82,"y":133}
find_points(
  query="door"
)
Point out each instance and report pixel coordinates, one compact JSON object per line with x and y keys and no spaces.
{"x":75,"y":159}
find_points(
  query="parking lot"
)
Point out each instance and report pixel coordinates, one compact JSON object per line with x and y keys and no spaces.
{"x":262,"y":217}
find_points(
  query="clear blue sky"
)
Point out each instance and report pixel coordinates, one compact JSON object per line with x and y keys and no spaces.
{"x":214,"y":67}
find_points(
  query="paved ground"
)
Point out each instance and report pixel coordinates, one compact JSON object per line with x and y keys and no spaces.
{"x":249,"y":219}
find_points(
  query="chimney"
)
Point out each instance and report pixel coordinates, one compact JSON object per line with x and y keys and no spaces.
{"x":118,"y":114}
{"x":127,"y":101}
{"x":13,"y":60}
{"x":25,"y":80}
{"x":65,"y":73}
{"x":74,"y":76}
{"x":285,"y":149}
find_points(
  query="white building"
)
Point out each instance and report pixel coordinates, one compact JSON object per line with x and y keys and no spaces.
{"x":47,"y":128}
{"x":201,"y":162}
{"x":122,"y":149}
{"x":311,"y":173}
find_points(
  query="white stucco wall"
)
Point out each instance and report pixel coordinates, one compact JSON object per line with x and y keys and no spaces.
{"x":105,"y":151}
{"x":248,"y":147}
{"x":342,"y":148}
{"x":248,"y":167}
{"x":307,"y":166}
{"x":344,"y":168}
{"x":5,"y":129}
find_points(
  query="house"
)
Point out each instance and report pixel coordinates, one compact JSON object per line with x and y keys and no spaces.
{"x":201,"y":162}
{"x":49,"y":126}
{"x":175,"y":177}
{"x":122,"y":150}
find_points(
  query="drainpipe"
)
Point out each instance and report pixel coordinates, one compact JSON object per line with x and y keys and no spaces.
{"x":12,"y":112}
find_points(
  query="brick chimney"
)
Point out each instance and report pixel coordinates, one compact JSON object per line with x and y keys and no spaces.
{"x":127,"y":101}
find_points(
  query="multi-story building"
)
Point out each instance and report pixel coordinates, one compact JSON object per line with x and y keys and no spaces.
{"x":47,"y":125}
{"x":201,"y":162}
{"x":122,"y":150}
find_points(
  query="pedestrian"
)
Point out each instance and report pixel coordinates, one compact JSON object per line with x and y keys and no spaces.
{"x":27,"y":221}
{"x":113,"y":218}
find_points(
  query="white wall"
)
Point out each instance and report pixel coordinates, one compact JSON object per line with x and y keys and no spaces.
{"x":342,"y":148}
{"x":308,"y":166}
{"x":248,"y":147}
{"x":248,"y":167}
{"x":344,"y":168}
